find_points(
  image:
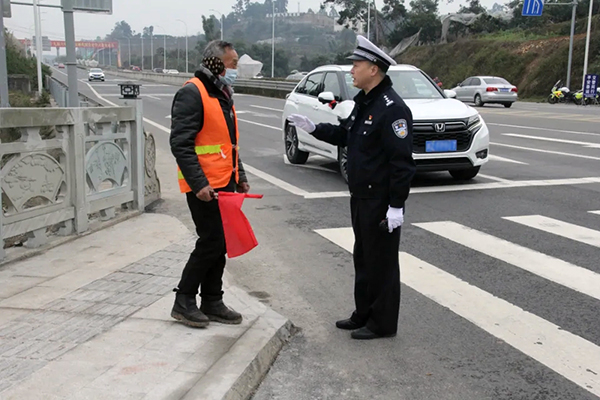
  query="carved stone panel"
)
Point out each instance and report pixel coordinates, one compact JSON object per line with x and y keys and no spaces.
{"x":30,"y":176}
{"x":151,"y":182}
{"x":106,"y":161}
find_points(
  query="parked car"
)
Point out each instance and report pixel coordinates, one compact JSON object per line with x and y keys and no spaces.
{"x":487,"y":89}
{"x":61,"y":65}
{"x":448,"y":135}
{"x":96,"y":74}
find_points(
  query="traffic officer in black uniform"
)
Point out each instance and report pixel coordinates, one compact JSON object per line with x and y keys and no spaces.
{"x":378,"y":135}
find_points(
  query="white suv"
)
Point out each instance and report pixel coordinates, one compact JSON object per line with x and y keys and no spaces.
{"x":448,"y":135}
{"x":96,"y":74}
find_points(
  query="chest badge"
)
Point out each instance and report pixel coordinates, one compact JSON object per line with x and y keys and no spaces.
{"x":400,"y":128}
{"x":369,"y":121}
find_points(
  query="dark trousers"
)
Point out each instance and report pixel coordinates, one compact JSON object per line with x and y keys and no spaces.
{"x":377,"y":280}
{"x":207,"y":262}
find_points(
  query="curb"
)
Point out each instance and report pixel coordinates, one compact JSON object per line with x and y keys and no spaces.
{"x":239,"y":372}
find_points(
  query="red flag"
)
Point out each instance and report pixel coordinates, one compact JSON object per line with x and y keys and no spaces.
{"x":239,"y":237}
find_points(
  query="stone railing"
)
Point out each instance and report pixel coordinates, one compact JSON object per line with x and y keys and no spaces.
{"x":62,"y":167}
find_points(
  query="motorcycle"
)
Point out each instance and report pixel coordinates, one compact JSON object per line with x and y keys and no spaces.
{"x":588,"y":101}
{"x":563,"y":94}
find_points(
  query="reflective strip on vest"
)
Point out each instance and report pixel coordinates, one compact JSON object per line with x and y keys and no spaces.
{"x":212,"y":149}
{"x":180,"y":175}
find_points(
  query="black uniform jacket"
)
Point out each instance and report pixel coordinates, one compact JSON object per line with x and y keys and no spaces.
{"x":187,"y":119}
{"x":378,"y":135}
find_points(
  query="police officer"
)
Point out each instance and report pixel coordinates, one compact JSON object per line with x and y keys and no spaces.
{"x":378,"y":136}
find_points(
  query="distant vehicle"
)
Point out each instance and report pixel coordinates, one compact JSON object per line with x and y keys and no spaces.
{"x":135,"y":68}
{"x":158,"y":70}
{"x":61,"y":65}
{"x":170,"y":71}
{"x":487,"y":89}
{"x":296,"y":76}
{"x":55,"y":64}
{"x":96,"y":74}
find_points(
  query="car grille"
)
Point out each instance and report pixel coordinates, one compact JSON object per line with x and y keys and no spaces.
{"x":424,"y":131}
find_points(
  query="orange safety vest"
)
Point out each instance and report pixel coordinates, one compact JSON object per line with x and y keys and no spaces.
{"x":213,"y":144}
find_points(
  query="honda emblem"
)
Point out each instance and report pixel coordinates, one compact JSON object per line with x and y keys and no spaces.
{"x":440,"y":127}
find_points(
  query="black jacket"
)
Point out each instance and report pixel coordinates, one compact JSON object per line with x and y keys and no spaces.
{"x":379,"y":135}
{"x":187,"y":119}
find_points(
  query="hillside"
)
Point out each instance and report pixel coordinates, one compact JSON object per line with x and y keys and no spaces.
{"x":532,"y":65}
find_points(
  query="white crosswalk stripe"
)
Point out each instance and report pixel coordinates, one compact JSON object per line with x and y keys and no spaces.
{"x":559,"y":271}
{"x":559,"y":228}
{"x":570,"y":355}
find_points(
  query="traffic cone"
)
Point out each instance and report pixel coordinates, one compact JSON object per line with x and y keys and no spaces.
{"x":239,"y":236}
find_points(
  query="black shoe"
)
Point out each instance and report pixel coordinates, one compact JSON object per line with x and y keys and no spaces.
{"x":348,"y":324}
{"x":217,"y":311}
{"x":366,"y":334}
{"x":186,"y":310}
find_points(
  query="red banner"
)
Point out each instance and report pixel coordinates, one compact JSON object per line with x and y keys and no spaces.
{"x":86,"y":45}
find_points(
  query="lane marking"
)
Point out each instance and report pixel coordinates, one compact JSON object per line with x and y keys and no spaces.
{"x":565,"y":141}
{"x":560,"y":228}
{"x":259,"y":124}
{"x":595,"y":212}
{"x":267,"y":108}
{"x":308,"y":166}
{"x":504,"y":159}
{"x":553,"y":269}
{"x":565,"y":353}
{"x":494,"y":178}
{"x":474,"y":186}
{"x":168,"y":116}
{"x":560,"y":153}
{"x":275,"y":181}
{"x":152,"y":97}
{"x":533,"y":128}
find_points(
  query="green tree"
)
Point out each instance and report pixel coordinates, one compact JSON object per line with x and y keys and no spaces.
{"x":122,"y":30}
{"x":211,"y":31}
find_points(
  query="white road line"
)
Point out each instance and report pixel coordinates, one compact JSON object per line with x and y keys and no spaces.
{"x":168,"y":116}
{"x":504,"y":159}
{"x":474,"y":186}
{"x":267,"y":108}
{"x":565,"y":141}
{"x":560,"y":228}
{"x":553,"y":269}
{"x":98,"y":94}
{"x":153,"y":97}
{"x":275,"y":181}
{"x":560,"y":153}
{"x":595,"y":212}
{"x":533,"y":128}
{"x":494,"y":178}
{"x":259,"y":124}
{"x":307,"y":166}
{"x":565,"y":353}
{"x":157,"y":125}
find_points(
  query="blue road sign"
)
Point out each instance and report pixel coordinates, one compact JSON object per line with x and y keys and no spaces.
{"x":590,"y":85}
{"x":533,"y":8}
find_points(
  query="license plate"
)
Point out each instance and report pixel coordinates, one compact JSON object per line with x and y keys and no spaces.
{"x":504,"y":90}
{"x":439,"y":146}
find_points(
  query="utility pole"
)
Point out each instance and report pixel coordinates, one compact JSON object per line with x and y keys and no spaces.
{"x":587,"y":44}
{"x":71,"y":57}
{"x":186,"y":45}
{"x":571,"y":43}
{"x":38,"y":43}
{"x":3,"y":69}
{"x":142,"y":36}
{"x":273,"y":43}
{"x":152,"y":51}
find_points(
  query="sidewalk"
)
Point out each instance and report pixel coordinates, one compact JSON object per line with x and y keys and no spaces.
{"x":90,"y":319}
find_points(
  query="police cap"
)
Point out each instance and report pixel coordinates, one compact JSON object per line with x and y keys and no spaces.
{"x":367,"y":51}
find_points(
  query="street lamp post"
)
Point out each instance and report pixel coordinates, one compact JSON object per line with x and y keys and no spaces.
{"x":152,"y":50}
{"x":142,"y":37}
{"x":38,"y":40}
{"x":273,"y":43}
{"x":164,"y":47}
{"x":587,"y":44}
{"x":186,"y":46}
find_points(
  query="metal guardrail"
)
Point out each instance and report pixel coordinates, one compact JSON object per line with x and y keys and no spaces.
{"x":287,"y":86}
{"x":60,"y":93}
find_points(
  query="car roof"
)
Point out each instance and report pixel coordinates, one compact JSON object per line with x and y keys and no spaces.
{"x":347,"y":68}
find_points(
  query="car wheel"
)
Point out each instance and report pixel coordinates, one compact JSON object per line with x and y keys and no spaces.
{"x":478,"y":101}
{"x":292,"y":153}
{"x":343,"y":162}
{"x":464,"y":174}
{"x":508,"y":105}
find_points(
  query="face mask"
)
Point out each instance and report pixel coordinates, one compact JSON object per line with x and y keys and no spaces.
{"x":230,"y":77}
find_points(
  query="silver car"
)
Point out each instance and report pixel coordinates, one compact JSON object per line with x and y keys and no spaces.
{"x":487,"y":89}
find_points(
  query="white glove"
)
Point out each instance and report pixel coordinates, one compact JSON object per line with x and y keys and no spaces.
{"x":395,"y":217}
{"x":302,"y":122}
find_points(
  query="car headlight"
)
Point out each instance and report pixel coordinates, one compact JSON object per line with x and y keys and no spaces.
{"x":474,"y":124}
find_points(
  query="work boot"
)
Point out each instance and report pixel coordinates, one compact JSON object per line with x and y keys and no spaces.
{"x":186,"y":310}
{"x":217,"y":311}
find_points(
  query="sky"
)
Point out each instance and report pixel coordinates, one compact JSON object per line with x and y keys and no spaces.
{"x":162,"y":14}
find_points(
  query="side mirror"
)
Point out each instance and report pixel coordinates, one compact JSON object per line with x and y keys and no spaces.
{"x":326,"y":97}
{"x":450,"y":93}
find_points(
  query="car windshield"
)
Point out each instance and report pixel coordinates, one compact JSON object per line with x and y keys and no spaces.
{"x":408,"y":84}
{"x":496,"y":81}
{"x":95,"y":70}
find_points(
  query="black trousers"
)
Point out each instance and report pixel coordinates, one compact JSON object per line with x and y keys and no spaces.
{"x":205,"y":267}
{"x":377,"y":268}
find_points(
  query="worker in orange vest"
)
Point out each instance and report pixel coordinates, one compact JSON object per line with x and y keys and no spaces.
{"x":204,"y":141}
